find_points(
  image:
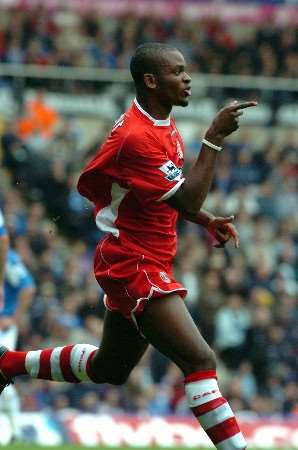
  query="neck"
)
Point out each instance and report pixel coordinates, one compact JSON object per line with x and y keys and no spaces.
{"x":153,"y":107}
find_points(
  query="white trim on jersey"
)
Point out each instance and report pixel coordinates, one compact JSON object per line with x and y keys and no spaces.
{"x":105,"y":218}
{"x":172,"y":191}
{"x":156,"y":122}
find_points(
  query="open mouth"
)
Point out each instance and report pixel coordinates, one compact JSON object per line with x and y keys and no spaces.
{"x":187,"y":92}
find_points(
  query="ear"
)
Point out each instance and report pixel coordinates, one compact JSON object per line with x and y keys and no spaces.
{"x":150,"y":80}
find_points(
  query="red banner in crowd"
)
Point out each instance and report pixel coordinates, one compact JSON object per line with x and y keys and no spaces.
{"x":227,"y":12}
{"x":88,"y":429}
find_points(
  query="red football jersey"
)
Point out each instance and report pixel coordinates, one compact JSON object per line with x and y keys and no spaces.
{"x":135,"y":170}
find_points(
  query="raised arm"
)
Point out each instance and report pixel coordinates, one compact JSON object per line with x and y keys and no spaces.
{"x":190,"y":197}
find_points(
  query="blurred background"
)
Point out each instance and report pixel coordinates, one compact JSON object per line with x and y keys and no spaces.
{"x":63,"y":82}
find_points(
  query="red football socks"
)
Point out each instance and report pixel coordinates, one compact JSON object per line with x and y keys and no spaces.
{"x":213,"y":411}
{"x":13,"y":364}
{"x":70,"y":363}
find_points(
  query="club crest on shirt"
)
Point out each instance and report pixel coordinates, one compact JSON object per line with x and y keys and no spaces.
{"x":164,"y":277}
{"x":179,"y":150}
{"x":172,"y":172}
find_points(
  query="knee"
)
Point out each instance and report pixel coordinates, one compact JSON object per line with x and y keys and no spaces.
{"x":202,"y":360}
{"x":207,"y":360}
{"x":105,"y":371}
{"x":105,"y":376}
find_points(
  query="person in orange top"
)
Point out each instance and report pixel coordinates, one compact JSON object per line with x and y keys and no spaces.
{"x":39,"y":118}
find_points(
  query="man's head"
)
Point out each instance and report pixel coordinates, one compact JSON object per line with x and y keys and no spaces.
{"x":159,"y":70}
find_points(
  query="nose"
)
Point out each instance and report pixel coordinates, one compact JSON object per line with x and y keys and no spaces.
{"x":186,"y":78}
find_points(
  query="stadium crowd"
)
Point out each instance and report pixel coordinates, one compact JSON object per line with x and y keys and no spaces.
{"x":66,"y":39}
{"x":244,"y":301}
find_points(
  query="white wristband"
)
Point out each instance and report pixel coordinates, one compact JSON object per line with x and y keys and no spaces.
{"x":209,"y":144}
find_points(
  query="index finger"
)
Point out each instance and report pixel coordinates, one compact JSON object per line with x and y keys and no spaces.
{"x":235,"y":235}
{"x":223,"y":220}
{"x":243,"y":105}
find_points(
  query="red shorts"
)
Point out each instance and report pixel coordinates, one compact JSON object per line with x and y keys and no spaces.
{"x":130,"y":279}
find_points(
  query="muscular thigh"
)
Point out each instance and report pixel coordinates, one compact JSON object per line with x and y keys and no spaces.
{"x":121,"y":348}
{"x":169,"y":327}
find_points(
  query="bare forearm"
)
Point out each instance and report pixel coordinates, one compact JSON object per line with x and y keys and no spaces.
{"x":199,"y":179}
{"x":201,"y":217}
{"x":194,"y":190}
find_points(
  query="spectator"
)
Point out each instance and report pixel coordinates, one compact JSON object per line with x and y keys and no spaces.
{"x":231,"y":324}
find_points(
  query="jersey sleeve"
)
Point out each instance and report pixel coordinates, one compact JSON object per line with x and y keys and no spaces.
{"x":16,"y":273}
{"x":147,"y":169}
{"x":26,"y":280}
{"x":3,"y":231}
